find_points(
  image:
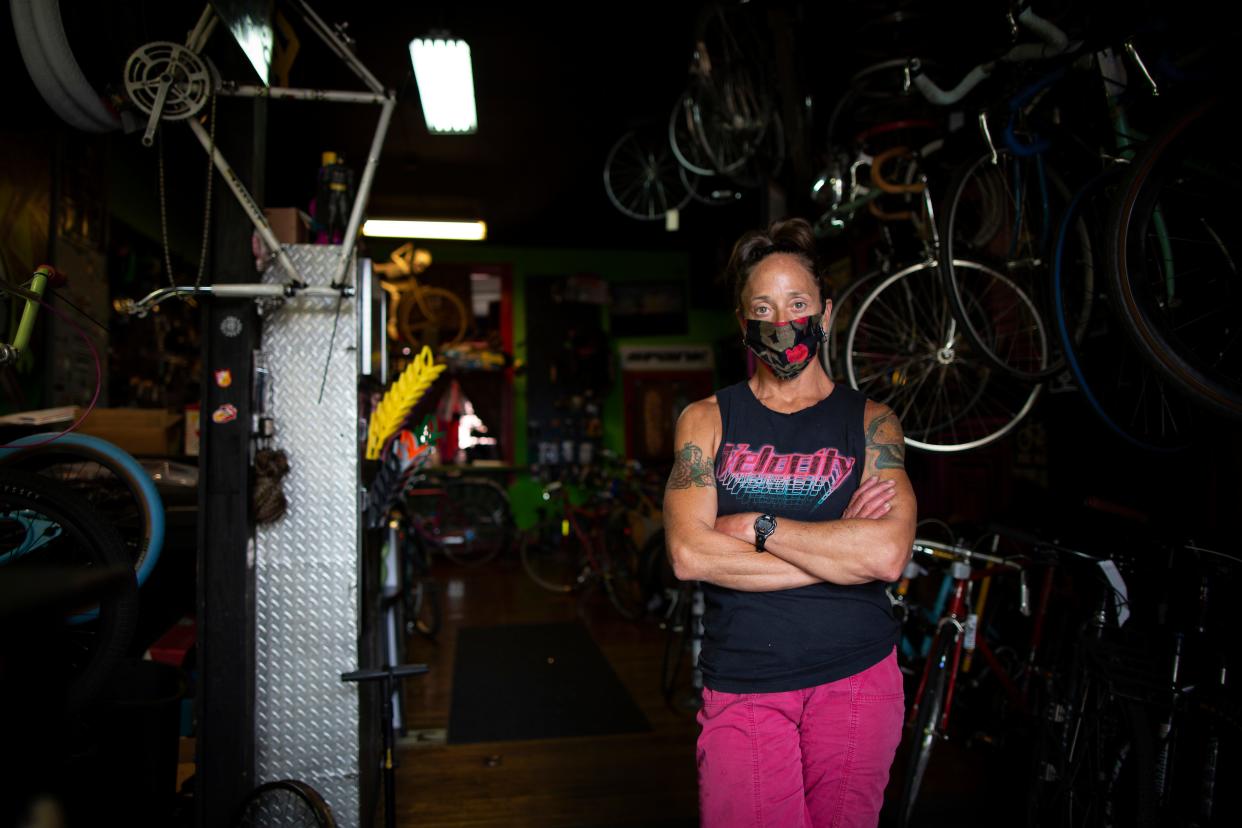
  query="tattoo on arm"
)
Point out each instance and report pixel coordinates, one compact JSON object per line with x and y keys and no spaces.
{"x":885,"y":437}
{"x":691,"y":468}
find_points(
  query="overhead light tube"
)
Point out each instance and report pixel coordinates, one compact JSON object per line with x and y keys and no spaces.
{"x":445,"y":85}
{"x":425,"y":229}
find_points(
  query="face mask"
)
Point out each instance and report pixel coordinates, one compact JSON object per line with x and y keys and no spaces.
{"x":785,"y":348}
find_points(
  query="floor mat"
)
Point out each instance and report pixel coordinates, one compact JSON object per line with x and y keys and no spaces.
{"x":538,"y":681}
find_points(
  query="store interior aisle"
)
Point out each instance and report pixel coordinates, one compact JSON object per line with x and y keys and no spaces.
{"x":638,"y":779}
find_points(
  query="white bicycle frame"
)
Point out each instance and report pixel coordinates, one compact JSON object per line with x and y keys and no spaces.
{"x":196,"y":41}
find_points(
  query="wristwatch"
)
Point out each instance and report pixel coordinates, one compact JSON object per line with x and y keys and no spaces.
{"x":765,"y":525}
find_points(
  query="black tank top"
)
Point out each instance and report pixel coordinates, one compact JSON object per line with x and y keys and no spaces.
{"x":804,"y":466}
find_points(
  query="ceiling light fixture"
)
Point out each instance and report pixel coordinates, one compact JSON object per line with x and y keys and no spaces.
{"x":445,"y":84}
{"x":425,"y":229}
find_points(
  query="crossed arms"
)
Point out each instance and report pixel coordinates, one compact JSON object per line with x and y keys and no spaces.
{"x":870,"y":542}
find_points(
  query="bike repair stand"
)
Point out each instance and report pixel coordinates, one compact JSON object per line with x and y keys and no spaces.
{"x":387,"y":675}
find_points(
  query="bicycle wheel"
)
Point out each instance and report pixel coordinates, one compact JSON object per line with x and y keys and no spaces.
{"x":475,"y":522}
{"x":926,"y":728}
{"x":1006,"y":212}
{"x":284,"y":802}
{"x":49,"y":532}
{"x":421,"y":610}
{"x":112,"y":481}
{"x":675,"y":664}
{"x":1124,"y":391}
{"x":641,"y":177}
{"x":905,"y":349}
{"x":1174,"y":259}
{"x":844,"y":306}
{"x":552,"y":555}
{"x":623,"y":571}
{"x":432,"y":316}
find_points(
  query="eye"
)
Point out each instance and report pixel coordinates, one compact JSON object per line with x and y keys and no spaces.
{"x":759,"y":310}
{"x":800,"y":304}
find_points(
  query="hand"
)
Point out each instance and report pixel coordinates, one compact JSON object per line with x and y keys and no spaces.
{"x":872,"y":500}
{"x":740,"y":526}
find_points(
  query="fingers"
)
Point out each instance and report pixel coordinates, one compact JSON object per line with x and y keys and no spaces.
{"x":873,"y":499}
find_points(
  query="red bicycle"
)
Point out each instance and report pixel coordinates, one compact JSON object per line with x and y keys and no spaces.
{"x":957,"y":640}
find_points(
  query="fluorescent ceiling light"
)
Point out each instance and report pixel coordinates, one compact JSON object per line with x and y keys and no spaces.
{"x":402,"y":229}
{"x":445,"y":85}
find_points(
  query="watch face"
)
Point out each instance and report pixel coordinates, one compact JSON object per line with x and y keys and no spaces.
{"x":765,"y":524}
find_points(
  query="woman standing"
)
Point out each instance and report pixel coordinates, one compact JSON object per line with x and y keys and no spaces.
{"x":790,"y":502}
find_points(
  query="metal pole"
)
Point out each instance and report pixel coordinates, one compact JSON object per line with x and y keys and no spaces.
{"x":364,"y":189}
{"x":247,"y":202}
{"x":332,"y":95}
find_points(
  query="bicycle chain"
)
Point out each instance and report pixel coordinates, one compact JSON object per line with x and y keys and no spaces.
{"x":202,"y":254}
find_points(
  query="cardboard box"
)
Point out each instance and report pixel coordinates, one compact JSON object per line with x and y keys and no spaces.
{"x":139,"y":431}
{"x":290,"y":224}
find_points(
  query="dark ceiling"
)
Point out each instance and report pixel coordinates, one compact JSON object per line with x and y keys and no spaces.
{"x":556,"y":86}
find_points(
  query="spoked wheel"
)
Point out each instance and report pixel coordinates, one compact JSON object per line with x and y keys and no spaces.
{"x":1176,"y":265}
{"x":114,"y":483}
{"x":1007,"y":212}
{"x":552,"y":555}
{"x":432,"y":316}
{"x":676,"y":667}
{"x":641,"y":176}
{"x":48,"y":534}
{"x":1124,"y":390}
{"x":475,"y":522}
{"x":844,"y":306}
{"x":925,"y":731}
{"x":623,"y":575}
{"x":905,"y":349}
{"x":285,"y":802}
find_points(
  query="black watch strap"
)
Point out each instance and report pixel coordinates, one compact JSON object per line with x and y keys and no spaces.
{"x":765,"y":525}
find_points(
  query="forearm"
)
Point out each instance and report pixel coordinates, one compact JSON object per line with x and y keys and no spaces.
{"x":716,"y":558}
{"x":851,"y":551}
{"x":845,"y":551}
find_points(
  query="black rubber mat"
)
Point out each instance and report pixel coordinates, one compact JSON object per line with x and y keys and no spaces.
{"x":539,"y":681}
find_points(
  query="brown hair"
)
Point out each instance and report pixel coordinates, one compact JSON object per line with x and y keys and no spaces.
{"x":793,"y":236}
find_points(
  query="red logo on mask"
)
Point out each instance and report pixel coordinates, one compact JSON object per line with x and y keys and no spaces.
{"x":797,"y":353}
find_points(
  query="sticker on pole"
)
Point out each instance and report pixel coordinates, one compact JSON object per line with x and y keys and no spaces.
{"x":224,"y":378}
{"x":224,"y":414}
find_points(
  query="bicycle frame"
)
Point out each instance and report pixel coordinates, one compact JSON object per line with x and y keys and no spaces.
{"x":386,"y":99}
{"x":10,"y":352}
{"x":958,"y":615}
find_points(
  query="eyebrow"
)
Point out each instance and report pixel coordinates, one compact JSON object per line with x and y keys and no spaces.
{"x":790,"y":295}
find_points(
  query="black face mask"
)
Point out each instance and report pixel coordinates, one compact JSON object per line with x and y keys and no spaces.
{"x":785,"y":348}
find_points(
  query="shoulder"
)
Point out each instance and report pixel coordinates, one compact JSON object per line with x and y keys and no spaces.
{"x":879,"y":419}
{"x":700,"y":415}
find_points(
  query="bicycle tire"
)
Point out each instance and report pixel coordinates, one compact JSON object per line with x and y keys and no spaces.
{"x":676,"y":646}
{"x":288,"y":802}
{"x":1002,"y":221}
{"x":682,"y":141}
{"x":622,"y":575}
{"x":432,"y":316}
{"x":641,"y":177}
{"x":924,"y":730}
{"x":1180,"y":321}
{"x":115,"y":484}
{"x":426,"y":614}
{"x":902,"y":334}
{"x":551,"y":556}
{"x":843,"y":307}
{"x":81,"y":653}
{"x":475,"y":521}
{"x":1126,"y":394}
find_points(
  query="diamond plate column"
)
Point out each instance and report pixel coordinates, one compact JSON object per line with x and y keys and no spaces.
{"x":307,"y":563}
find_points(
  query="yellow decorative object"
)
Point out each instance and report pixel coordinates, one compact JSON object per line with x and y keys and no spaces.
{"x":409,"y":388}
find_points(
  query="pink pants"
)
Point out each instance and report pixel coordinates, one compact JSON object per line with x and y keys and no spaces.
{"x":815,"y":757}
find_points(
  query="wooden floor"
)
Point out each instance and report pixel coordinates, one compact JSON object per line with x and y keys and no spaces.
{"x":645,"y":779}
